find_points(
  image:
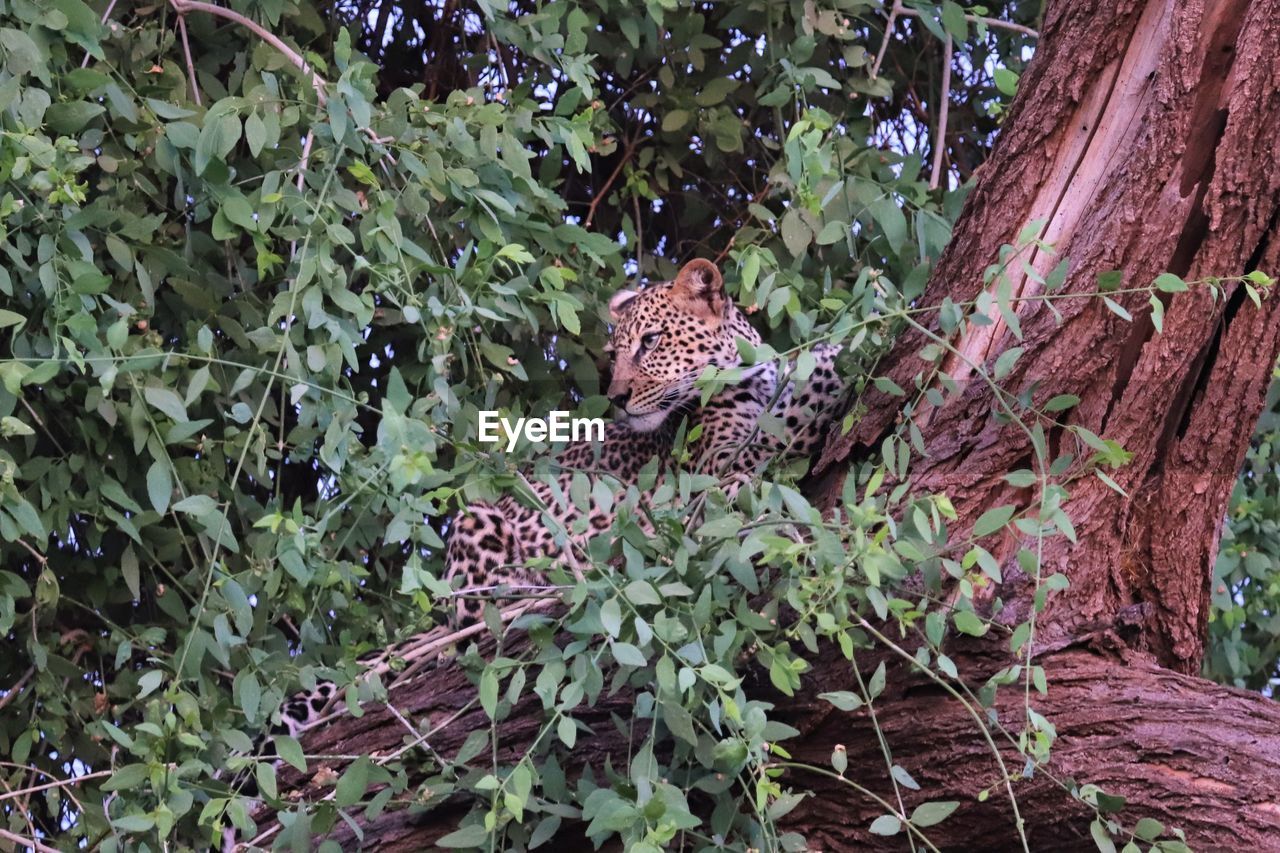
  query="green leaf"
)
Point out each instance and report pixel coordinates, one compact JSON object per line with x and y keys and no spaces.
{"x":967,"y":622}
{"x":126,"y":777}
{"x":149,"y":681}
{"x":255,"y":134}
{"x":133,"y":823}
{"x":1006,"y":81}
{"x":196,"y":505}
{"x":795,"y":233}
{"x":239,"y":212}
{"x":351,"y":787}
{"x":219,"y":135}
{"x":489,"y":692}
{"x":714,"y":92}
{"x":928,"y":814}
{"x":21,"y":55}
{"x":1101,"y":837}
{"x":469,"y":836}
{"x":954,"y":22}
{"x":73,"y":116}
{"x":1006,"y":361}
{"x":1116,"y":308}
{"x":1110,"y":803}
{"x":843,"y":699}
{"x":674,"y":120}
{"x":11,"y":426}
{"x":290,"y":751}
{"x":832,"y":232}
{"x":1062,"y":402}
{"x":628,"y":655}
{"x":567,"y":731}
{"x":129,"y":571}
{"x":992,"y":520}
{"x":886,"y":824}
{"x":1021,"y":479}
{"x":265,"y":773}
{"x":890,"y":218}
{"x":641,"y":592}
{"x":167,"y":401}
{"x":159,"y":486}
{"x":1110,"y":280}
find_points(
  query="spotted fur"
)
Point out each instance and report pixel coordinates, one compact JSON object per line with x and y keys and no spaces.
{"x":664,"y":337}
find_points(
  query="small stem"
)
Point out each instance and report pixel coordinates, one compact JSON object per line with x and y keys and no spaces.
{"x":105,"y":15}
{"x":31,"y":843}
{"x":39,"y":420}
{"x":627,"y":151}
{"x":13,"y":692}
{"x":59,"y":783}
{"x":888,"y":34}
{"x":41,"y":558}
{"x":944,"y":106}
{"x":317,"y":82}
{"x":191,"y":67}
{"x":979,"y":19}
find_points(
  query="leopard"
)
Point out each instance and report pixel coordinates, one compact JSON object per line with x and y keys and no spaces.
{"x":665,"y":336}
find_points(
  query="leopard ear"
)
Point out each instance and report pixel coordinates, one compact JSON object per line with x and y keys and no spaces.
{"x":618,"y":304}
{"x":699,"y":287}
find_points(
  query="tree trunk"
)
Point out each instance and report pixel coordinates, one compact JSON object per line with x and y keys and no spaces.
{"x":1144,"y":136}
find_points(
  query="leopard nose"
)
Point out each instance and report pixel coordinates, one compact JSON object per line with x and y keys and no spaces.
{"x":620,"y":400}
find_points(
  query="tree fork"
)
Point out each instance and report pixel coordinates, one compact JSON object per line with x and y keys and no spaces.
{"x":1144,"y":137}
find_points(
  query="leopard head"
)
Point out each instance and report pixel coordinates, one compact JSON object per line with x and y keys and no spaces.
{"x":663,"y":338}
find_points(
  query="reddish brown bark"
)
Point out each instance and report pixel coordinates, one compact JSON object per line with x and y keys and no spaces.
{"x":1146,"y":138}
{"x":1145,"y":135}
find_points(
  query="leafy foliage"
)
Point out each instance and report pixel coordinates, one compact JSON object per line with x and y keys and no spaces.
{"x":255,"y":292}
{"x":1244,"y":629}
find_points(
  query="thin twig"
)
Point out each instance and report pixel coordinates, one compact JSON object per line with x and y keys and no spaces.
{"x":419,"y":738}
{"x":23,"y":808}
{"x":755,"y":199}
{"x":979,"y":19}
{"x":899,"y":10}
{"x":191,"y":66}
{"x":944,"y":105}
{"x":58,"y":783}
{"x":888,"y":34}
{"x":302,"y":179}
{"x":39,"y":420}
{"x":306,"y":155}
{"x":299,"y":62}
{"x":41,"y":558}
{"x":33,"y":843}
{"x":628,"y":150}
{"x":105,"y":15}
{"x":635,"y":206}
{"x":12,"y":693}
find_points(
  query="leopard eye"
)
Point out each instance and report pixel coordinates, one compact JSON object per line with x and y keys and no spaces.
{"x":649,"y":340}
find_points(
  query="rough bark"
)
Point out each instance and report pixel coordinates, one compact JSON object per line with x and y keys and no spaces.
{"x":1145,"y":136}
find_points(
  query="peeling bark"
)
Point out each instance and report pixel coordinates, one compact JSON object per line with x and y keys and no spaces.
{"x":1151,"y":147}
{"x":1145,"y":137}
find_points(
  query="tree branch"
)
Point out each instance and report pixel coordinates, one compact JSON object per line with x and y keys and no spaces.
{"x":191,"y":67}
{"x":944,"y":104}
{"x":317,"y":82}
